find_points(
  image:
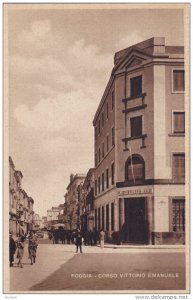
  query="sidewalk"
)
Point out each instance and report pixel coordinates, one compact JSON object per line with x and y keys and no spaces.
{"x":131,"y":246}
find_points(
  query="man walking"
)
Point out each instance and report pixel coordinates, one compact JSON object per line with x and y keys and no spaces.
{"x":78,"y":240}
{"x":32,"y":247}
{"x":12,"y":249}
{"x":102,"y":238}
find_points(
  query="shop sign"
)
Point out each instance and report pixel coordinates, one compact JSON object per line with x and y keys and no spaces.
{"x":135,"y":192}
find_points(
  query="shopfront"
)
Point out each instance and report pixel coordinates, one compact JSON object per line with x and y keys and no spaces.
{"x":136,"y":215}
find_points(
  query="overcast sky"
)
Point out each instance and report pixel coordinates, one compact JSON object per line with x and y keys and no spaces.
{"x":60,"y":61}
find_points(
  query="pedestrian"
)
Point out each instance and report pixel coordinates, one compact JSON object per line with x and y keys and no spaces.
{"x":32,"y":247}
{"x":102,"y":238}
{"x":78,"y":240}
{"x":20,"y":250}
{"x":12,"y":249}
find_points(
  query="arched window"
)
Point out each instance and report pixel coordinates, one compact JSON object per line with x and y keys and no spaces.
{"x":135,"y":169}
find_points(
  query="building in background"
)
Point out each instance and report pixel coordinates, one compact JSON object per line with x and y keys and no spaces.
{"x":37,"y":221}
{"x":140,"y":146}
{"x":72,"y":200}
{"x":44,"y":222}
{"x":87,"y":202}
{"x":20,"y":204}
{"x":52,"y":216}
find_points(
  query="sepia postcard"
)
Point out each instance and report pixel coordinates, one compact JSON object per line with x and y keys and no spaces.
{"x":96,"y":148}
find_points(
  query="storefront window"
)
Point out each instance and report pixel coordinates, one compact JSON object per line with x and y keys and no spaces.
{"x":178,"y":215}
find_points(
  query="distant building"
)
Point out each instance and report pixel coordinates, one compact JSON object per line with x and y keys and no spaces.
{"x":38,"y":223}
{"x":52,"y":216}
{"x":61,"y":214}
{"x":140,"y":146}
{"x":72,"y":200}
{"x":87,"y":202}
{"x":44,"y":222}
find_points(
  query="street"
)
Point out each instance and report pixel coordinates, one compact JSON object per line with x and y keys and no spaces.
{"x":59,"y":268}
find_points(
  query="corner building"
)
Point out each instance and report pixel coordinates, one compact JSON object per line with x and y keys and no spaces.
{"x":140,"y":146}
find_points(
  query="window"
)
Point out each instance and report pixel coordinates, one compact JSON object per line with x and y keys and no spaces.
{"x":136,"y":126}
{"x":107,"y":217}
{"x":113,"y":136}
{"x":112,"y":173}
{"x":178,"y":122}
{"x":103,"y":150}
{"x":107,"y":110}
{"x":103,"y":218}
{"x":99,"y":127}
{"x":178,"y":81}
{"x":99,"y":153}
{"x":95,"y":159}
{"x":178,"y":215}
{"x":135,"y":169}
{"x":113,"y":100}
{"x":103,"y":182}
{"x":102,"y":119}
{"x":99,"y":218}
{"x":99,"y":185}
{"x":107,"y":143}
{"x":95,"y":187}
{"x":96,"y":218}
{"x":178,"y":167}
{"x":95,"y":131}
{"x":107,"y":178}
{"x":136,"y":86}
{"x":112,"y":217}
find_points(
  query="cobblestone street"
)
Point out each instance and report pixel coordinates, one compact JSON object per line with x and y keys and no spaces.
{"x":59,"y":268}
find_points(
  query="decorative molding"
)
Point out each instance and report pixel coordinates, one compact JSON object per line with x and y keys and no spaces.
{"x":128,"y":110}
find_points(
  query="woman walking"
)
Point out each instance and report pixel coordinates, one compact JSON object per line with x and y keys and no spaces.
{"x":20,"y":250}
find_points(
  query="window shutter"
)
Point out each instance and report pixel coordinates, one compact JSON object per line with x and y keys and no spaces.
{"x":179,"y":122}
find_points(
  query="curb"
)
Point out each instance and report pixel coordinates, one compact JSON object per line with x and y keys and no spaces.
{"x":177,"y":247}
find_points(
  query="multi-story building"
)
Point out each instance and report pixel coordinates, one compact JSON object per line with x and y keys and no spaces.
{"x":140,"y":146}
{"x":52,"y":216}
{"x":44,"y":222}
{"x":37,"y":221}
{"x":87,"y":202}
{"x":72,"y":200}
{"x":20,"y":204}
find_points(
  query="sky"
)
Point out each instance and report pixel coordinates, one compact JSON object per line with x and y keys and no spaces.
{"x":59,"y":62}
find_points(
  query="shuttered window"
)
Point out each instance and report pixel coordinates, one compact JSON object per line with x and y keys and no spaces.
{"x":99,"y":185}
{"x":136,"y":86}
{"x":99,"y":218}
{"x":107,"y":178}
{"x":103,"y":218}
{"x":107,"y":217}
{"x":178,"y":122}
{"x":136,"y":126}
{"x":103,"y":182}
{"x":178,"y":81}
{"x":178,"y":167}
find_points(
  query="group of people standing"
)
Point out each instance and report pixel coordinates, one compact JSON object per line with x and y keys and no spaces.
{"x":79,"y":239}
{"x":89,"y":237}
{"x":17,"y":247}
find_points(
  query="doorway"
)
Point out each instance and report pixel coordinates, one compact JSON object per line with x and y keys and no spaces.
{"x":135,"y":220}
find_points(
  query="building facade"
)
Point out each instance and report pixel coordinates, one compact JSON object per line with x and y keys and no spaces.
{"x":20,"y":204}
{"x":38,"y":222}
{"x":140,"y":146}
{"x":52,"y":216}
{"x":87,"y":202}
{"x":73,"y":201}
